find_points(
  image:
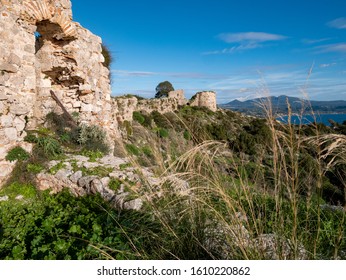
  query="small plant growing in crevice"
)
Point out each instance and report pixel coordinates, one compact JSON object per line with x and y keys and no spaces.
{"x":34,"y":168}
{"x":92,"y":155}
{"x":57,"y":167}
{"x":107,"y":55}
{"x":17,"y":153}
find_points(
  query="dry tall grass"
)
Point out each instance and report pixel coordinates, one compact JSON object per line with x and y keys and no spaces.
{"x":226,"y":215}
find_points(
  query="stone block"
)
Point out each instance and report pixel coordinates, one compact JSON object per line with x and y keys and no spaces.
{"x":3,"y":97}
{"x":76,"y":176}
{"x":19,"y":123}
{"x":10,"y":68}
{"x":87,"y":107}
{"x":19,"y":109}
{"x":11,"y":133}
{"x":14,"y":60}
{"x":77,"y":104}
{"x":6,"y":120}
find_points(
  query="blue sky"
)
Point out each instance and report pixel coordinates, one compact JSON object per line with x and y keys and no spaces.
{"x":240,"y":49}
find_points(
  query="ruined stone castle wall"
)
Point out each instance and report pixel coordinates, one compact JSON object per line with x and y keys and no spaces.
{"x":205,"y":99}
{"x":42,"y":49}
{"x":123,"y":107}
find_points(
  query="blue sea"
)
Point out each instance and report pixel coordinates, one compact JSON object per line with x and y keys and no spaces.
{"x":307,"y":119}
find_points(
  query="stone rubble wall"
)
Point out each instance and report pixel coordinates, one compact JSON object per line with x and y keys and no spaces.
{"x":63,"y":57}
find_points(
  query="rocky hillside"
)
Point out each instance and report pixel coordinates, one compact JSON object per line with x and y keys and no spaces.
{"x":196,"y":184}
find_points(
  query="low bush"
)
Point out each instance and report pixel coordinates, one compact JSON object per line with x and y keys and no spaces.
{"x":132,"y":149}
{"x":17,"y":153}
{"x":92,"y":138}
{"x":51,"y":147}
{"x":137,"y":116}
{"x":163,"y":133}
{"x":34,"y":168}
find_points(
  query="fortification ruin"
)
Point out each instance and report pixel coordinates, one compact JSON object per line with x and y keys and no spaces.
{"x":42,"y":50}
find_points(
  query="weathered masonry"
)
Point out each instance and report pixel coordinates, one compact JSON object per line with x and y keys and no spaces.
{"x":42,"y":49}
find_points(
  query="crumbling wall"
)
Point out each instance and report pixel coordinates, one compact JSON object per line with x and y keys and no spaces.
{"x":179,"y":95}
{"x":123,"y":107}
{"x":42,"y":49}
{"x":205,"y":99}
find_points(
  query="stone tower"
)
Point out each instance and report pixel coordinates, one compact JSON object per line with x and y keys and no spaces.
{"x":205,"y":99}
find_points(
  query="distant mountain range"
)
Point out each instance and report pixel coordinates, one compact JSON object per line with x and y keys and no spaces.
{"x":279,"y":105}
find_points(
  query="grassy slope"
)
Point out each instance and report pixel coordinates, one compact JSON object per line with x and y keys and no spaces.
{"x":248,"y":180}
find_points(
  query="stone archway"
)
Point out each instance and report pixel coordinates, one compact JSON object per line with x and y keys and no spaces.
{"x":38,"y":11}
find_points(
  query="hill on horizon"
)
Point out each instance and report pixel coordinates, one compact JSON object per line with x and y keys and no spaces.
{"x":279,"y":105}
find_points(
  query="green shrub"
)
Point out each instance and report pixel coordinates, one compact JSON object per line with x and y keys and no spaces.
{"x":107,"y":56}
{"x":65,"y":137}
{"x":64,"y":227}
{"x":50,"y":146}
{"x":187,"y":135}
{"x":163,"y":133}
{"x":34,"y":168}
{"x":147,"y":121}
{"x":17,"y":153}
{"x":100,"y":171}
{"x":53,"y":170}
{"x":13,"y":190}
{"x":92,"y":138}
{"x":31,"y":138}
{"x":114,"y":184}
{"x":161,"y":120}
{"x":147,"y":151}
{"x":132,"y":149}
{"x":137,"y":116}
{"x":123,"y":166}
{"x":92,"y":155}
{"x":128,"y":128}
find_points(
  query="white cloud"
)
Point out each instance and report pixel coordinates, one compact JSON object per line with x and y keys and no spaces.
{"x":341,"y":47}
{"x":250,"y":37}
{"x":187,"y":75}
{"x":235,"y":49}
{"x":126,"y":73}
{"x":244,"y":41}
{"x":314,"y":41}
{"x":339,"y":23}
{"x":327,"y":65}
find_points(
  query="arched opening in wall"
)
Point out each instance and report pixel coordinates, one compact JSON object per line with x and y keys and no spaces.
{"x":54,"y":61}
{"x":50,"y":67}
{"x":49,"y":30}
